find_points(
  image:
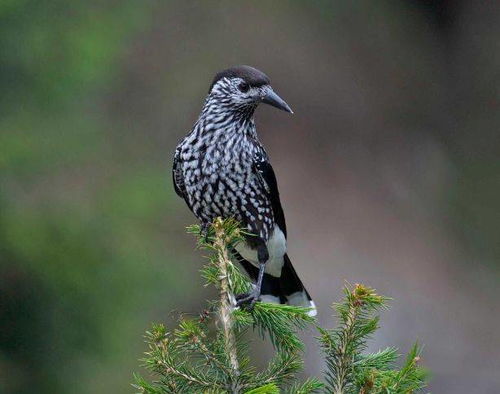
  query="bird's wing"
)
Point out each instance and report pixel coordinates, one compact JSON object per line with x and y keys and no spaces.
{"x":177,"y":176}
{"x":265,"y":174}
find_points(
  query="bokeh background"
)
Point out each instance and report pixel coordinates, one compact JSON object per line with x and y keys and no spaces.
{"x":389,"y":173}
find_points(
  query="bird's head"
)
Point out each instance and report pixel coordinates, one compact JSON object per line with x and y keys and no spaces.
{"x":243,"y":88}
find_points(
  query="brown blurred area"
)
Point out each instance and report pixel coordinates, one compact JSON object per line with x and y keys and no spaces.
{"x":389,"y":169}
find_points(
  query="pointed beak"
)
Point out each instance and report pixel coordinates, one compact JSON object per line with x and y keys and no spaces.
{"x":273,"y":99}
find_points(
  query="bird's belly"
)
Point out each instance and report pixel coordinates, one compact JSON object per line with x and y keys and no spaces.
{"x":276,"y":246}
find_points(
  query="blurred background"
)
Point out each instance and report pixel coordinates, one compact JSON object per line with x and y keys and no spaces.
{"x":389,"y":173}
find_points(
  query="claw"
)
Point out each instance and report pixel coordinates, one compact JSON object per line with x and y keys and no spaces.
{"x":247,"y":300}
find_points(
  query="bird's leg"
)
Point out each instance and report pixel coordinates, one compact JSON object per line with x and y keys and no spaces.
{"x":251,"y":298}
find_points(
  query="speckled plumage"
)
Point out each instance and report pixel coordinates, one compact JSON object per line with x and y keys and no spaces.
{"x":218,"y":163}
{"x":222,"y":169}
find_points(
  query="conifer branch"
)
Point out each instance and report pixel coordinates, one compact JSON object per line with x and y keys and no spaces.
{"x":194,"y":359}
{"x":226,"y":301}
{"x":352,"y":372}
{"x":349,"y":337}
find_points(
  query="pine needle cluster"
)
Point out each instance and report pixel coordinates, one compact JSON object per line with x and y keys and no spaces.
{"x":349,"y":370}
{"x":209,"y":353}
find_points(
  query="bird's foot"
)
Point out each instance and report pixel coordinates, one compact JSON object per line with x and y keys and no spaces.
{"x":247,"y":300}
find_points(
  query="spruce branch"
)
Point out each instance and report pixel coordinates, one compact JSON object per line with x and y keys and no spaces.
{"x":195,"y":359}
{"x":209,"y":354}
{"x":349,"y":371}
{"x":226,"y":301}
{"x":343,"y":343}
{"x":311,"y":385}
{"x":270,"y":388}
{"x":167,"y":358}
{"x":281,"y":323}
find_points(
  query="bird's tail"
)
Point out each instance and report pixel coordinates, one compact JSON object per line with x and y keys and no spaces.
{"x":287,"y":289}
{"x":292,"y":289}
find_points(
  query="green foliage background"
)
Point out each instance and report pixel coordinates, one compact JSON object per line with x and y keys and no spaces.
{"x":77,"y":268}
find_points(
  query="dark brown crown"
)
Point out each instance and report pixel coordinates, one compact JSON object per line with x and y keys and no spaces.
{"x":250,"y":75}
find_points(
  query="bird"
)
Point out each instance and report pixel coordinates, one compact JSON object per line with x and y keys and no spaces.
{"x":221,"y":169}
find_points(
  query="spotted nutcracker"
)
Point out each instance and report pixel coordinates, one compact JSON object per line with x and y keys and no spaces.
{"x":222,"y":170}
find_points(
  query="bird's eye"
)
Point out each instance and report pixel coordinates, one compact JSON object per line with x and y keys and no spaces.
{"x":243,"y":87}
